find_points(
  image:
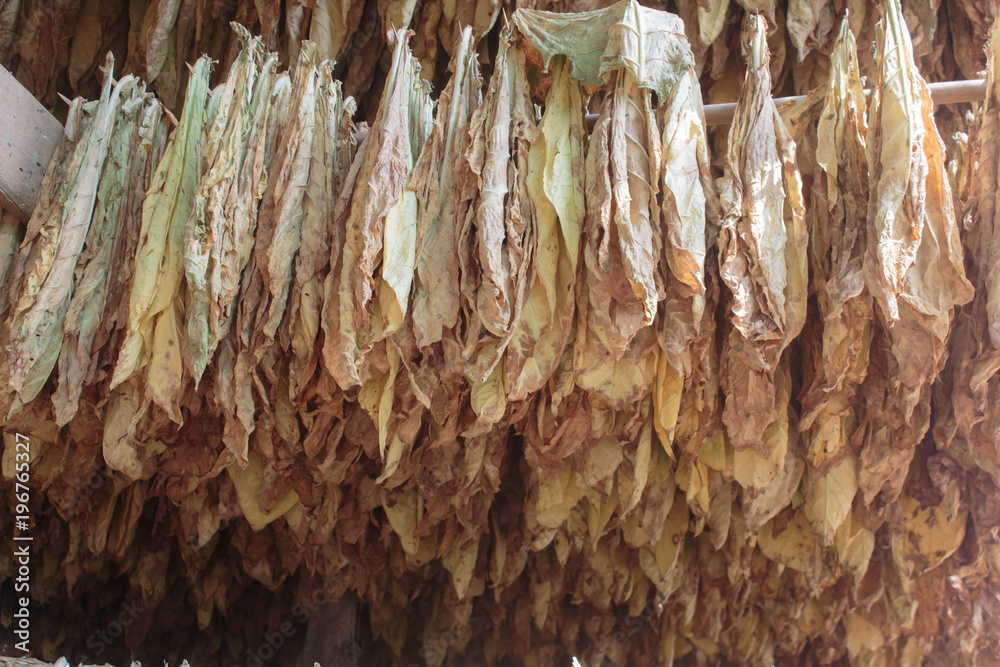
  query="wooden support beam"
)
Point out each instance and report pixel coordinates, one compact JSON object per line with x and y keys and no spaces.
{"x":29,"y":135}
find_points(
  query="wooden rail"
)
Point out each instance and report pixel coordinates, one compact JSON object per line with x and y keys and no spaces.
{"x":29,"y":135}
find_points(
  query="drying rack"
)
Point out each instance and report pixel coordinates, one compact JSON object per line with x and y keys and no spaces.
{"x":29,"y":135}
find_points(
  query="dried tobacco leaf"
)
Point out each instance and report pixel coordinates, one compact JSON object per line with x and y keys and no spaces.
{"x":554,"y":184}
{"x":332,"y":25}
{"x":97,"y":25}
{"x":967,"y":415}
{"x":373,"y":256}
{"x":809,"y":22}
{"x":838,"y":240}
{"x":219,"y":237}
{"x":762,"y":253}
{"x":113,"y":233}
{"x":161,"y":18}
{"x":282,"y":283}
{"x":913,"y":263}
{"x":45,"y":31}
{"x":480,"y":15}
{"x":11,"y":235}
{"x":292,"y":179}
{"x":639,"y":51}
{"x":840,"y":340}
{"x":437,"y":180}
{"x":497,"y":240}
{"x":686,"y":388}
{"x":969,"y":22}
{"x":689,"y":207}
{"x":152,"y":343}
{"x":49,"y":254}
{"x":9,"y":14}
{"x":623,"y":243}
{"x":334,"y":144}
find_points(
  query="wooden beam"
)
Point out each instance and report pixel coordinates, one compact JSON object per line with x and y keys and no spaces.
{"x":29,"y":135}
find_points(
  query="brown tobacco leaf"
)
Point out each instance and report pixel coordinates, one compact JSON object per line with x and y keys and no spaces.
{"x":332,"y":25}
{"x":809,"y":22}
{"x":762,"y":251}
{"x":913,"y":264}
{"x":299,"y":136}
{"x":97,"y":26}
{"x":46,"y":29}
{"x":442,"y":196}
{"x":841,"y":341}
{"x":689,"y":209}
{"x":439,"y":24}
{"x":220,"y":235}
{"x":970,"y":23}
{"x":636,"y":51}
{"x":498,"y":239}
{"x":363,"y":54}
{"x":9,"y":14}
{"x":623,"y":245}
{"x":555,"y":186}
{"x":967,"y":417}
{"x":838,"y":240}
{"x":367,"y":291}
{"x":164,"y":18}
{"x":375,"y":270}
{"x":282,"y":283}
{"x":686,"y":388}
{"x":335,"y":144}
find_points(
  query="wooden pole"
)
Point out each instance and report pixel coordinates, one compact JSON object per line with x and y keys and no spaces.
{"x":946,"y":92}
{"x":29,"y":135}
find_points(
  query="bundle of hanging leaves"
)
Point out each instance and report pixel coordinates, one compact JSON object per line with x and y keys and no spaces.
{"x":524,"y":388}
{"x":57,"y":46}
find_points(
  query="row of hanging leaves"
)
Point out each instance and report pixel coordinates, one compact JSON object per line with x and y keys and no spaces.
{"x":559,"y":392}
{"x":56,"y":46}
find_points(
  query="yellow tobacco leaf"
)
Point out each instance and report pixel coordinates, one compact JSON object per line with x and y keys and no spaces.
{"x":460,"y":563}
{"x":667,"y":392}
{"x":554,"y":183}
{"x":928,"y":535}
{"x":829,"y":497}
{"x":854,"y":544}
{"x":794,"y":546}
{"x":247,"y":482}
{"x":159,"y":267}
{"x":403,"y":517}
